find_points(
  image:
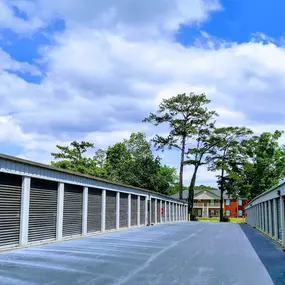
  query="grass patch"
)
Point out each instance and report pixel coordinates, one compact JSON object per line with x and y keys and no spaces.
{"x":217,"y":219}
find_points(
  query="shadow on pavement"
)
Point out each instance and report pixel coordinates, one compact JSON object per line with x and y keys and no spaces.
{"x":269,"y":252}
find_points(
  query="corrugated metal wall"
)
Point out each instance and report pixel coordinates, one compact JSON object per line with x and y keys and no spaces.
{"x":72,"y":210}
{"x":52,"y":210}
{"x":142,"y":210}
{"x":123,"y":210}
{"x":278,"y":219}
{"x":110,"y":210}
{"x":152,"y":211}
{"x":134,"y":210}
{"x":43,"y":210}
{"x":94,"y":210}
{"x":10,"y":209}
{"x":158,"y":212}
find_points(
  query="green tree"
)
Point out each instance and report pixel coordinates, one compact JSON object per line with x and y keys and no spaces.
{"x":166,"y":178}
{"x":118,"y":160}
{"x":71,"y":157}
{"x":200,"y":154}
{"x":226,"y":153}
{"x":132,"y":162}
{"x":264,"y":166}
{"x":182,"y":114}
{"x":100,"y":162}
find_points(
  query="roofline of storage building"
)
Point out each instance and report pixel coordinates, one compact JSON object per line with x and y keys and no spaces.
{"x":15,"y":165}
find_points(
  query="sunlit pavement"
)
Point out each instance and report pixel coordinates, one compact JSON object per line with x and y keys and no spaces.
{"x":182,"y":253}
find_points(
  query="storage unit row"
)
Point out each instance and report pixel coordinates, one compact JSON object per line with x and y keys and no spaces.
{"x":34,"y":210}
{"x":267,"y":213}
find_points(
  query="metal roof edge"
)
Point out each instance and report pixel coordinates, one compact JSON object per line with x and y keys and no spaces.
{"x":265,"y":192}
{"x":46,"y":166}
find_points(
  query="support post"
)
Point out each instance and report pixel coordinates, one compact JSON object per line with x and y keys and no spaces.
{"x":165,"y":211}
{"x":117,"y":210}
{"x":59,"y":216}
{"x":129,"y":210}
{"x":25,"y":205}
{"x":85,"y":211}
{"x":103,"y":211}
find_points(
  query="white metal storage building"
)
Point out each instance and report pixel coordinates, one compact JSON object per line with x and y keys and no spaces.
{"x":267,"y":213}
{"x":41,"y":203}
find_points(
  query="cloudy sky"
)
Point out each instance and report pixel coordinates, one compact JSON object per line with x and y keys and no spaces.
{"x":92,"y":70}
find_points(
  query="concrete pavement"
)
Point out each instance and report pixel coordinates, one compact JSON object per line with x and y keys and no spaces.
{"x":184,"y":253}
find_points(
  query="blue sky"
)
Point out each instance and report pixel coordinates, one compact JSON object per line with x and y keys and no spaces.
{"x":93,"y":70}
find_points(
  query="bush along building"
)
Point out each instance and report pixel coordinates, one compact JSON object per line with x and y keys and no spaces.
{"x":207,"y":204}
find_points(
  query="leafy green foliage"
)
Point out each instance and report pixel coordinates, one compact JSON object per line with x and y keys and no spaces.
{"x":130,"y":162}
{"x":226,"y":155}
{"x":71,"y":158}
{"x":200,"y":154}
{"x":183,"y":114}
{"x":263,"y":166}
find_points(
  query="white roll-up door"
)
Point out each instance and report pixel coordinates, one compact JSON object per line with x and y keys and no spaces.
{"x":110,"y":222}
{"x":134,"y":210}
{"x":42,"y":210}
{"x":123,"y":210}
{"x":142,"y":210}
{"x":72,"y":210}
{"x":94,"y":210}
{"x":10,"y":209}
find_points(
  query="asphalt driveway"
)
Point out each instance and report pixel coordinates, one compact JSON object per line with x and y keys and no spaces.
{"x":182,"y":253}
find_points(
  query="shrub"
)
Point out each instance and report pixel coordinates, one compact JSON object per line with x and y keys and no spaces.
{"x":225,"y":219}
{"x":193,"y":217}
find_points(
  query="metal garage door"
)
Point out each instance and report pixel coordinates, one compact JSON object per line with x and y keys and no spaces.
{"x":142,"y":210}
{"x":110,"y":222}
{"x":162,"y":212}
{"x":10,"y":208}
{"x":134,"y":210}
{"x":43,"y":210}
{"x":94,"y":210}
{"x":267,"y":215}
{"x":158,"y":212}
{"x":171,"y":212}
{"x":165,"y":212}
{"x":278,"y":218}
{"x":72,"y":210}
{"x":152,"y":211}
{"x":123,"y":210}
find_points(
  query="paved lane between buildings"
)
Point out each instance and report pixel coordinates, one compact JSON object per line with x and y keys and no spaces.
{"x":183,"y":253}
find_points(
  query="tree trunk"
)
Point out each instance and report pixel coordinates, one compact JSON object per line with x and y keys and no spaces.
{"x":191,"y":191}
{"x":222,"y":196}
{"x":181,"y":169}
